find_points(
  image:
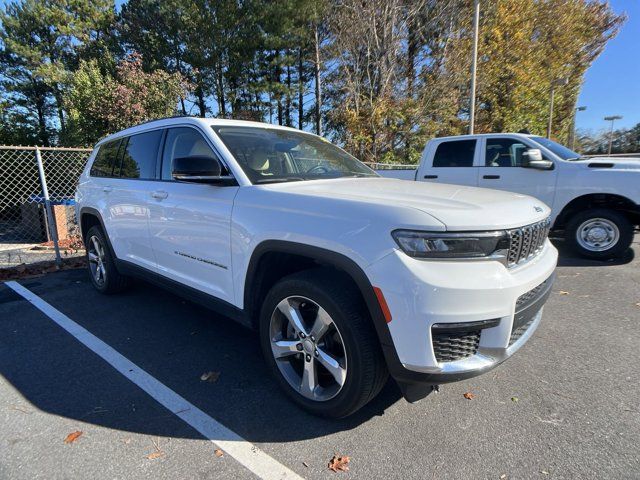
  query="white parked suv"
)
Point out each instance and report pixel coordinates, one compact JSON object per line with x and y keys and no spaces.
{"x":595,"y":202}
{"x":347,"y":276}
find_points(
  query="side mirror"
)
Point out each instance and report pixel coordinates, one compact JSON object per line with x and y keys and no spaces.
{"x":199,"y":169}
{"x":532,"y":158}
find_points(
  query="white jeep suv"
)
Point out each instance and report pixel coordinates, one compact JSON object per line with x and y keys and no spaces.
{"x":347,"y":276}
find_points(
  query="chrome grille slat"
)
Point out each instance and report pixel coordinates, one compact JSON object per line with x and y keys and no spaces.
{"x":526,"y":242}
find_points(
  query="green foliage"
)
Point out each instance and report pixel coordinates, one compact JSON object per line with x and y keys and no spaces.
{"x":100,"y":104}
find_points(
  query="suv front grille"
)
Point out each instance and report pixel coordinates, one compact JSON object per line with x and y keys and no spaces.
{"x":517,"y":332}
{"x":527,"y":242}
{"x":450,"y":346}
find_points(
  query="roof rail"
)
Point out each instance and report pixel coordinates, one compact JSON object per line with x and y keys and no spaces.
{"x":163,"y":118}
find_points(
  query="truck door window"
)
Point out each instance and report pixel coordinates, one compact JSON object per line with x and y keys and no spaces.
{"x":504,"y":152}
{"x":457,"y":153}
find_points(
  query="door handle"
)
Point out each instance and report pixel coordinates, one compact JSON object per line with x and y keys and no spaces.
{"x":107,"y":189}
{"x":431,"y":176}
{"x":491,"y":177}
{"x":159,"y":194}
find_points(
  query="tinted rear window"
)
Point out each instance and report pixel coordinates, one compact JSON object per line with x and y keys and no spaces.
{"x":106,"y":159}
{"x":457,"y":153}
{"x":140,"y":155}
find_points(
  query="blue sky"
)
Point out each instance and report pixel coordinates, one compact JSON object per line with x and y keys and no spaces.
{"x":612,"y":84}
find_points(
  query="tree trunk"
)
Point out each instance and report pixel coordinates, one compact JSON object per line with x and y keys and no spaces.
{"x":300,"y":91}
{"x":318,"y":86}
{"x":58,"y":97}
{"x":277,"y":75}
{"x":287,"y":117}
{"x":202,"y":106}
{"x":222,"y":107}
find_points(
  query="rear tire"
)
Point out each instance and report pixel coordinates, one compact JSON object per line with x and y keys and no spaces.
{"x":101,"y":265}
{"x":599,"y":233}
{"x":345,"y":361}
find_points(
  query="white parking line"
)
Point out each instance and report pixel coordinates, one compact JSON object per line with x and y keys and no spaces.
{"x":237,"y":447}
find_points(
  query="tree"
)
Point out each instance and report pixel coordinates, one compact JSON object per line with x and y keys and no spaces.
{"x":44,"y":39}
{"x":100,"y":104}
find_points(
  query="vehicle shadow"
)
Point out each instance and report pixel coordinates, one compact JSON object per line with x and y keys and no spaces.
{"x":173,"y":340}
{"x":567,"y":258}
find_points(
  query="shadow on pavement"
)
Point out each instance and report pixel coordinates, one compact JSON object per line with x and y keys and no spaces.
{"x":569,"y":259}
{"x":170,"y":338}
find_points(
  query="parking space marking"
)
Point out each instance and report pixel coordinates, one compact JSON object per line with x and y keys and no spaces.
{"x":246,"y":453}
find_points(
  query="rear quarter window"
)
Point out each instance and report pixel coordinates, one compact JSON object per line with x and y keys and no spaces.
{"x":106,"y":159}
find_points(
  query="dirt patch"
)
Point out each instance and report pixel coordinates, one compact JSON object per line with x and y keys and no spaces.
{"x":40,"y":268}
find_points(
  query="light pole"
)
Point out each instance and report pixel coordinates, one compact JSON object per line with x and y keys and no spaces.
{"x":572,"y":133}
{"x":474,"y":61}
{"x":612,"y":119}
{"x":559,"y":82}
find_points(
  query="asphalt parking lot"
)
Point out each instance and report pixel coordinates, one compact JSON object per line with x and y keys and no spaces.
{"x":566,"y":406}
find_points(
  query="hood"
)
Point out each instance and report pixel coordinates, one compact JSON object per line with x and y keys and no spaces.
{"x":613,"y":163}
{"x":457,"y":207}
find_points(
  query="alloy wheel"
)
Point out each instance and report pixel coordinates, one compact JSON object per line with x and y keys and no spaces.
{"x":308,"y":348}
{"x":96,"y":255}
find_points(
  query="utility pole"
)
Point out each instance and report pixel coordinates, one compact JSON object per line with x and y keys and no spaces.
{"x":572,"y":133}
{"x":559,"y":82}
{"x":612,"y":119}
{"x":474,"y":61}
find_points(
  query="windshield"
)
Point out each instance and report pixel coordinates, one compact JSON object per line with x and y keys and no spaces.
{"x":560,"y":150}
{"x":269,"y":155}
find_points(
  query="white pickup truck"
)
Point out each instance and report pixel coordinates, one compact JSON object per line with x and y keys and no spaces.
{"x":595,"y":202}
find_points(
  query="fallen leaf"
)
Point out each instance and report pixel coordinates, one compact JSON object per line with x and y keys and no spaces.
{"x":72,"y":437}
{"x":515,"y":399}
{"x":562,"y":292}
{"x":210,"y":377}
{"x":339,"y":464}
{"x":469,"y":396}
{"x":218,"y":452}
{"x":156,"y":454}
{"x":504,"y":475}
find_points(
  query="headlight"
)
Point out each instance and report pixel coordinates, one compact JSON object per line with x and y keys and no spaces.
{"x":452,"y":245}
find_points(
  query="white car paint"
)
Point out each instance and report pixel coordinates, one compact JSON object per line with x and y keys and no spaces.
{"x":204,"y":236}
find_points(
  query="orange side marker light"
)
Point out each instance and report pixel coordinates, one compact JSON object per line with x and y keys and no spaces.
{"x":383,"y":304}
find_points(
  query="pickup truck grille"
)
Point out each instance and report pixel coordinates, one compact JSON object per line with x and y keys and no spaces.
{"x":527,"y":242}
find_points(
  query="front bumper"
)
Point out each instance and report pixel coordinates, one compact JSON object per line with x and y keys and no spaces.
{"x":421,"y":294}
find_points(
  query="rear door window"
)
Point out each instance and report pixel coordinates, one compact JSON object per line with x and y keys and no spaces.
{"x":106,"y":160}
{"x":458,"y":153}
{"x":140,"y":154}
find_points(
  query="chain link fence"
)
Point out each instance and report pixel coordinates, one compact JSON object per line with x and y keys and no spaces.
{"x":37,"y":206}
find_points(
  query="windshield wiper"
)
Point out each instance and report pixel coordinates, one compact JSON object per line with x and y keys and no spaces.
{"x":278,"y":180}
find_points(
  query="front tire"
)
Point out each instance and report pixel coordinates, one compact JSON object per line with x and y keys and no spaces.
{"x":101,"y":265}
{"x":599,"y":233}
{"x":320,"y":344}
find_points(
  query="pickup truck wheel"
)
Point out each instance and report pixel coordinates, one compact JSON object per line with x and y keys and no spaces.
{"x":319,"y":342}
{"x":102,"y":269}
{"x":599,"y":233}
